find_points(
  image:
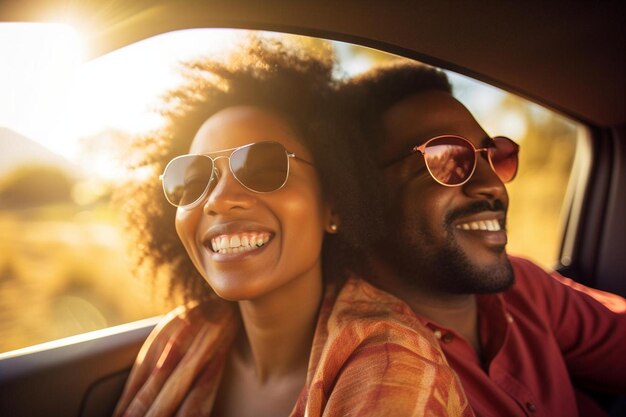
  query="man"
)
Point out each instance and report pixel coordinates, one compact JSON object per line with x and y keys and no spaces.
{"x":523,"y":342}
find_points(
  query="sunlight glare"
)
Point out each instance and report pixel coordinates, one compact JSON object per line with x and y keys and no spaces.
{"x":120,"y":91}
{"x":50,"y":95}
{"x":39,"y":63}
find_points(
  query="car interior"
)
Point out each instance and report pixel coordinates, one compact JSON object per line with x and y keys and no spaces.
{"x":566,"y":56}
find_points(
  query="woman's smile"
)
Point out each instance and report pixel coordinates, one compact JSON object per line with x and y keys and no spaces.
{"x":239,"y":242}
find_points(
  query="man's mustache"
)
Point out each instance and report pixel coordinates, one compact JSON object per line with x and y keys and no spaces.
{"x":475,"y":208}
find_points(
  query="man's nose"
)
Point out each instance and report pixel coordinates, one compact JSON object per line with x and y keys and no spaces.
{"x":485,"y":182}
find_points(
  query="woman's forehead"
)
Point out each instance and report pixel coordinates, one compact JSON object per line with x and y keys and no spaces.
{"x":241,"y":125}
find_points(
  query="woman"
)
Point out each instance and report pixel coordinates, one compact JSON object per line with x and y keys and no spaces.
{"x":258,"y":182}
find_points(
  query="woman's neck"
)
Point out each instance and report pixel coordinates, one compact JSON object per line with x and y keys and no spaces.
{"x":279,"y":328}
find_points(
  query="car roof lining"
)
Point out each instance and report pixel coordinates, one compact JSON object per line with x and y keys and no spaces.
{"x":568,"y":56}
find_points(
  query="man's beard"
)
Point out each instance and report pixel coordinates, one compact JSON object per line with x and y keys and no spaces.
{"x":447,"y":268}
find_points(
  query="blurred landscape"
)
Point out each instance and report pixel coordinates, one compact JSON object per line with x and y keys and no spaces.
{"x":63,"y":263}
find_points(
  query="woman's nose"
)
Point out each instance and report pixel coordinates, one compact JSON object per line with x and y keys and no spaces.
{"x":226,"y":193}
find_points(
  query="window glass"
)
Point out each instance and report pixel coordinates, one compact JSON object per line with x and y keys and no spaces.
{"x":548,"y":143}
{"x":63,"y":263}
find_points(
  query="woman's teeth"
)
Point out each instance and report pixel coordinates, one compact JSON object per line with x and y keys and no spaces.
{"x":240,"y":242}
{"x":489,"y":225}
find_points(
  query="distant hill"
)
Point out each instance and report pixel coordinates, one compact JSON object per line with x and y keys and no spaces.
{"x":16,"y":150}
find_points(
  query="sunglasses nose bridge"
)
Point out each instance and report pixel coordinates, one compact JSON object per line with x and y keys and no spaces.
{"x":486,"y":154}
{"x":217,"y":158}
{"x":488,"y":157}
{"x":484,"y":178}
{"x":222,"y":168}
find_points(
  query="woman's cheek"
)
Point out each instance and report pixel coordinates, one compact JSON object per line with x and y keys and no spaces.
{"x":307,"y":219}
{"x":186,"y":227}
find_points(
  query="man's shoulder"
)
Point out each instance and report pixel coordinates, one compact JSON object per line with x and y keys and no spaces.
{"x":526,"y":267}
{"x":533,"y":285}
{"x":528,"y":274}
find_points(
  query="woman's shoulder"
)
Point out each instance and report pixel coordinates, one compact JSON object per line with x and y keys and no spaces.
{"x":190,"y":314}
{"x":362,"y":308}
{"x":375,"y":357}
{"x":181,"y":325}
{"x":192,"y":334}
{"x":362,"y":319}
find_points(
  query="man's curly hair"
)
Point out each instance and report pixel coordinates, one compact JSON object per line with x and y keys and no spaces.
{"x":369,"y":95}
{"x":299,"y":86}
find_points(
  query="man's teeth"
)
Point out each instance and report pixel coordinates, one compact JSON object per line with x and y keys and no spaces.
{"x":489,"y":225}
{"x":241,"y":242}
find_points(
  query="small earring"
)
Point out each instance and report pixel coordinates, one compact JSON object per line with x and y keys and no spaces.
{"x":333,"y":227}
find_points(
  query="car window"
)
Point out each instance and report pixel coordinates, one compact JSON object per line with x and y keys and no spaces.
{"x":542,"y":192}
{"x":64,"y":268}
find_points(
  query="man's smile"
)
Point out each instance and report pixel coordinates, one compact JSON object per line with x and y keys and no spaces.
{"x":486,"y":226}
{"x":490,"y":225}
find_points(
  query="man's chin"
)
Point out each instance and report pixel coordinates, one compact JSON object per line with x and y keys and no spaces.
{"x":497,"y":278}
{"x":458,"y":266}
{"x":479,"y":273}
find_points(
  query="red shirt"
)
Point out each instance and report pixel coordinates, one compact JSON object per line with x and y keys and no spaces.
{"x":542,"y":340}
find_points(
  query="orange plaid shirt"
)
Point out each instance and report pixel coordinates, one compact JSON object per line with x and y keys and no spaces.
{"x":370,"y":357}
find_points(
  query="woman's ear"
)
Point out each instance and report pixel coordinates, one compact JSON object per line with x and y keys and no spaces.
{"x":332,"y":221}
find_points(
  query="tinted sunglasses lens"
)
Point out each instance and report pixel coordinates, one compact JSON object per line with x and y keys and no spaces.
{"x":261,"y":167}
{"x":185,"y":179}
{"x":450,"y":160}
{"x":504,"y":158}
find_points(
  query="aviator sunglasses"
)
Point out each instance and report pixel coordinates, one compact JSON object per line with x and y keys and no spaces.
{"x":451,"y":159}
{"x":261,"y":167}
